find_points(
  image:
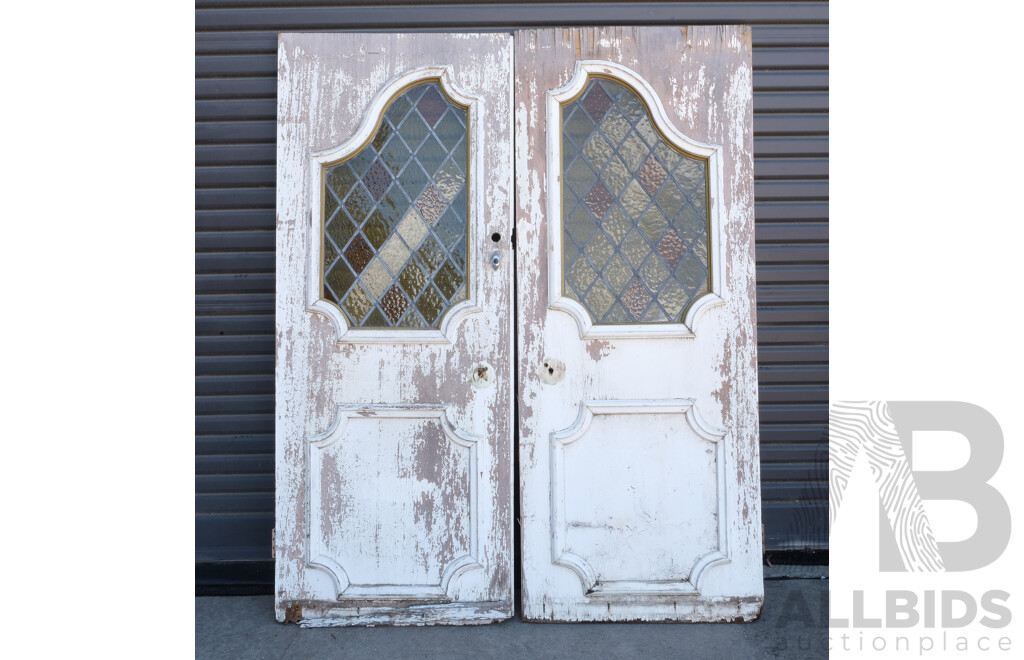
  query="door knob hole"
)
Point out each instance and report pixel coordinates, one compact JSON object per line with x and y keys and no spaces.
{"x":495,"y":237}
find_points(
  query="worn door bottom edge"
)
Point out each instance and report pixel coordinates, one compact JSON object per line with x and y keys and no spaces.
{"x":324,"y":615}
{"x":741,"y":609}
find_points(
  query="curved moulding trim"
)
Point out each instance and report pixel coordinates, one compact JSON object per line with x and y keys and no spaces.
{"x":713,"y":153}
{"x":588,"y":576}
{"x":451,"y":320}
{"x":317,"y":557}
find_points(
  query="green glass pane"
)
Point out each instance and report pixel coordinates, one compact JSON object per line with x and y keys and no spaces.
{"x":448,"y":280}
{"x":340,"y":229}
{"x":580,"y":225}
{"x":699,"y":199}
{"x":654,"y":314}
{"x":331,"y":204}
{"x":615,"y":176}
{"x":395,"y":155}
{"x":631,"y":107}
{"x":383,"y":133}
{"x":634,"y":199}
{"x":599,"y":300}
{"x":450,"y":228}
{"x":653,"y":224}
{"x":394,"y":206}
{"x":578,"y":127}
{"x":458,"y":254}
{"x":398,"y":108}
{"x":673,"y":299}
{"x":667,"y":155}
{"x":430,"y":305}
{"x":691,"y":273}
{"x":431,"y":155}
{"x":690,"y":224}
{"x":450,"y":131}
{"x":615,"y":126}
{"x":618,"y":314}
{"x":431,"y":255}
{"x":449,"y":180}
{"x":617,"y":273}
{"x":569,"y":250}
{"x":330,"y":253}
{"x":581,"y":275}
{"x":647,"y":132}
{"x":377,"y":229}
{"x":599,"y":250}
{"x":689,"y":174}
{"x":340,"y":179}
{"x":580,"y":177}
{"x":413,"y":180}
{"x":700,"y":248}
{"x":633,"y":151}
{"x":359,"y":203}
{"x":653,"y":273}
{"x":635,"y":249}
{"x":598,"y":151}
{"x":413,"y":130}
{"x":358,"y":304}
{"x":412,"y":279}
{"x":413,"y":320}
{"x":671,"y":200}
{"x":616,"y":224}
{"x":362,"y":161}
{"x":612,"y":88}
{"x":340,"y":278}
{"x":375,"y":320}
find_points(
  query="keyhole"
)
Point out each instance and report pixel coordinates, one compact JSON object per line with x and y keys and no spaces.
{"x":495,"y":237}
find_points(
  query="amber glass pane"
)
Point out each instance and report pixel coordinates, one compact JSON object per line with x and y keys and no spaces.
{"x":395,"y":214}
{"x":634,"y":212}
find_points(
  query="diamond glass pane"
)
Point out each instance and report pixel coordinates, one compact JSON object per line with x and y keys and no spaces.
{"x":395,"y":216}
{"x":634,"y":211}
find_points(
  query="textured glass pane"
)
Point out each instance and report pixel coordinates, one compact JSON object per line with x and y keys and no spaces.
{"x":395,"y":243}
{"x":634,"y":211}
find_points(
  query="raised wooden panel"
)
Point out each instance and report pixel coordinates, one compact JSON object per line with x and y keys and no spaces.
{"x":627,"y":530}
{"x":392,"y":503}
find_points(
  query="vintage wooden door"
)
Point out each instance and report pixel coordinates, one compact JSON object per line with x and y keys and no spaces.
{"x":636,"y":368}
{"x":394,"y":329}
{"x":638,"y":443}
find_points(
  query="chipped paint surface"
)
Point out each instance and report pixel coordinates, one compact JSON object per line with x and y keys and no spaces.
{"x":409,"y":503}
{"x":602,"y":500}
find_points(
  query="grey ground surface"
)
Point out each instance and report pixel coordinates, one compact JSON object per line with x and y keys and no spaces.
{"x":793,"y":625}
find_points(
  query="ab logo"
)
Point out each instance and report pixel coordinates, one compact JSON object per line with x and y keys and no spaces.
{"x":883,"y":431}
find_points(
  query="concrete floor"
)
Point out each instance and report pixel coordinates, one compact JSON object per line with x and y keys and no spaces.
{"x":793,"y":625}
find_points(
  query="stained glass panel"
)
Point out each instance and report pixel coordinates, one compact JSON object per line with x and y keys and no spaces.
{"x":634,"y":212}
{"x":395,"y":216}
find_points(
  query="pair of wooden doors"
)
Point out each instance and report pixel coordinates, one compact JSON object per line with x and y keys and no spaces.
{"x":528,"y":252}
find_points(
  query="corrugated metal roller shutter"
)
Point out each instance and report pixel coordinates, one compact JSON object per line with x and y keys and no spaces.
{"x":235,"y":175}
